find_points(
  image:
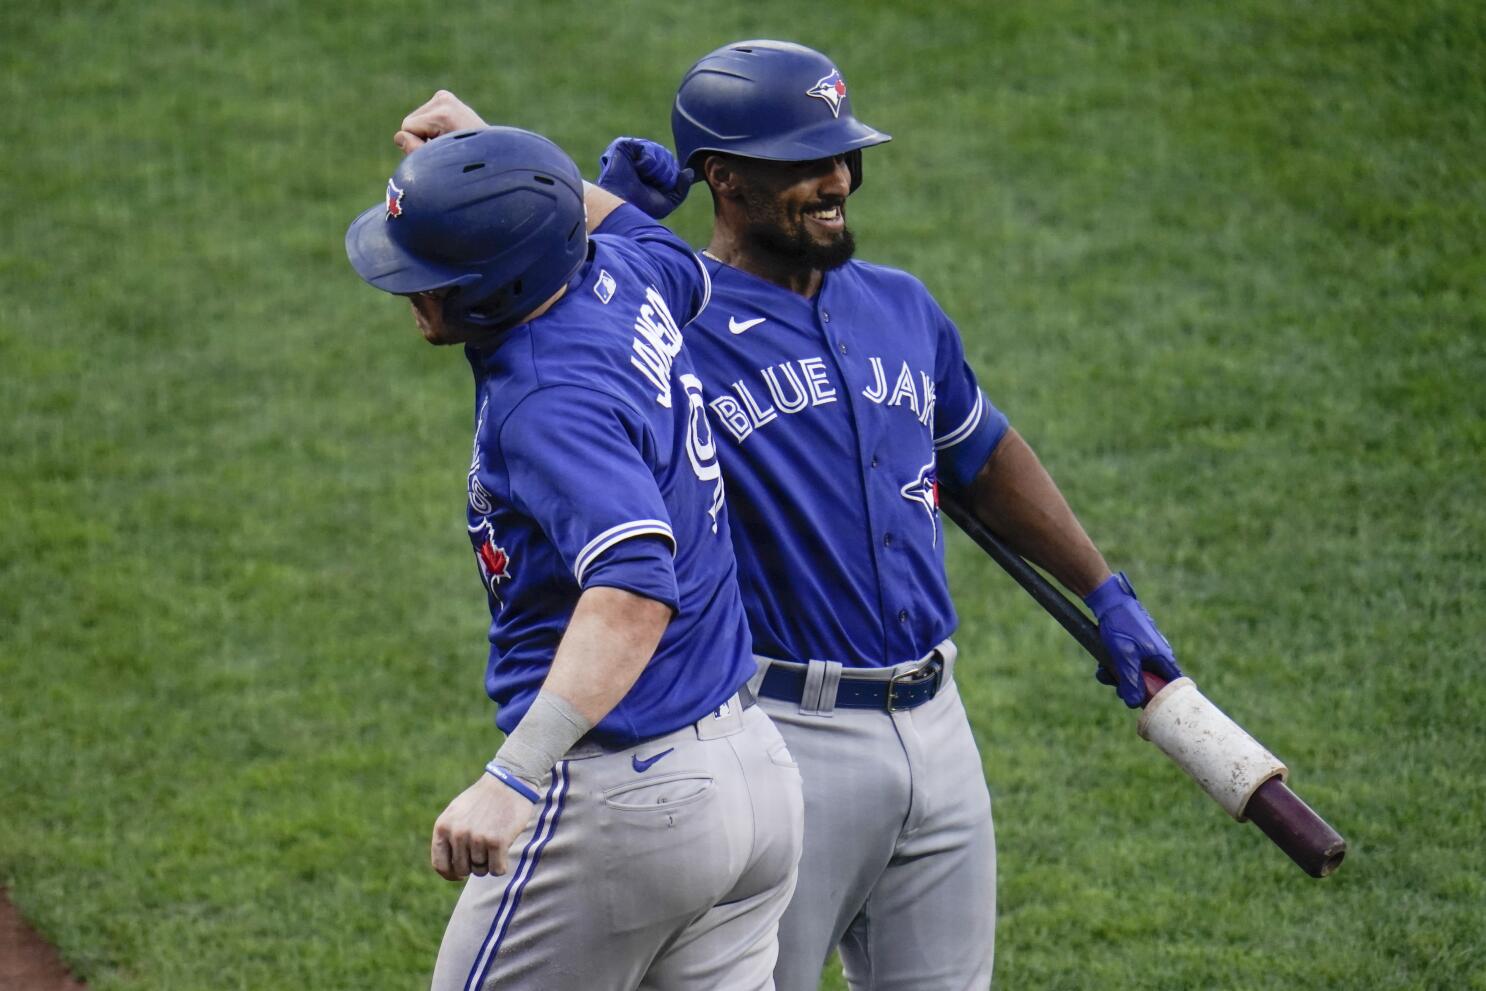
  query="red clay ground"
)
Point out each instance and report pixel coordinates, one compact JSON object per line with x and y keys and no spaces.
{"x":28,"y":962}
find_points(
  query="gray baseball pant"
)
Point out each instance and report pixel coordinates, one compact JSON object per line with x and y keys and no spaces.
{"x":899,"y":868}
{"x":662,"y":867}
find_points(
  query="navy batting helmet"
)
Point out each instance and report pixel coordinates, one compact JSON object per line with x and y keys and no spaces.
{"x":768,"y":99}
{"x":494,"y":214}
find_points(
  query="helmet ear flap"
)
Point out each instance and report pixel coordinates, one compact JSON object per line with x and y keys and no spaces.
{"x":854,"y":166}
{"x":489,"y":311}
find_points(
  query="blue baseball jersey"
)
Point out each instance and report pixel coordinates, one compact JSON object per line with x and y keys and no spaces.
{"x":839,"y":416}
{"x":594,"y":464}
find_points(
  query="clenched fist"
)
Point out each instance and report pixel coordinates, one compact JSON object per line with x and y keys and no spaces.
{"x":474,"y":834}
{"x":445,"y":113}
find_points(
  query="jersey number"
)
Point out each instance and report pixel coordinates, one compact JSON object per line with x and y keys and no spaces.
{"x":701,"y":448}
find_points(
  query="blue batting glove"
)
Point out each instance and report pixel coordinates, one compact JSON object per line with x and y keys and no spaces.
{"x":1131,"y":638}
{"x":645,"y":174}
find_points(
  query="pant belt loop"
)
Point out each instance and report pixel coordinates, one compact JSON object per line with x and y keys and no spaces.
{"x":947,"y":652}
{"x":821,"y":679}
{"x":829,"y":682}
{"x":755,"y":684}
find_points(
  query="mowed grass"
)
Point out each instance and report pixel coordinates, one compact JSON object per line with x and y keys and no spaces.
{"x":1221,"y":263}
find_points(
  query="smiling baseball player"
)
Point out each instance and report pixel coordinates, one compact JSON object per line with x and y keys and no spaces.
{"x":843,"y":400}
{"x":641,"y":822}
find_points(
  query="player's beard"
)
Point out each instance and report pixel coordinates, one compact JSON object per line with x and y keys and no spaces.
{"x":788,"y":237}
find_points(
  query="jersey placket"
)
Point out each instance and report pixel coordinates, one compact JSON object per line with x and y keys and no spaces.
{"x":868,"y":435}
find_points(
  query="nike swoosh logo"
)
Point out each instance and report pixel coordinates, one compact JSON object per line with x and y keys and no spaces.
{"x":738,"y":327}
{"x":641,"y":766}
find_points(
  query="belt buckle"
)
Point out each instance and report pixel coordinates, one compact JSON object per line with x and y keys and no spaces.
{"x":934,"y":669}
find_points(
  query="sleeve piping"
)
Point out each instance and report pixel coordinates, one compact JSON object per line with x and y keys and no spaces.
{"x":706,"y":286}
{"x":616,"y":534}
{"x":965,"y":429}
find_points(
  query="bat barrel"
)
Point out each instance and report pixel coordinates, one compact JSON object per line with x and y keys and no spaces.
{"x":1295,"y":828}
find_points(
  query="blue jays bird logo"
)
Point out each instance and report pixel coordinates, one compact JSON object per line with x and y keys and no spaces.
{"x":832,"y":89}
{"x":394,"y":200}
{"x":924,"y":490}
{"x":494,"y":562}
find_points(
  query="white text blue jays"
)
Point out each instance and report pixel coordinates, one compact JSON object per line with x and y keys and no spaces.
{"x":796,"y":385}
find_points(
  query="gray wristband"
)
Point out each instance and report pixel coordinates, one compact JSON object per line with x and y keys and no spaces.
{"x":548,"y":730}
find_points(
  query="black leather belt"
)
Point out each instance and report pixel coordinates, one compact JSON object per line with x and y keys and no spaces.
{"x":906,"y":691}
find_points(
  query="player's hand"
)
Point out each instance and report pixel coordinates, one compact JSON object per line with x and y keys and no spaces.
{"x":1131,"y":637}
{"x":445,"y":113}
{"x":645,"y":174}
{"x":474,"y":834}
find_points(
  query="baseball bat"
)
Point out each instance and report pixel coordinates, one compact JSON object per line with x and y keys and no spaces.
{"x":1278,"y":812}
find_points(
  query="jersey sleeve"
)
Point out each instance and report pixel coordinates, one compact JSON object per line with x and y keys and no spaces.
{"x":681,"y":277}
{"x":967,"y":427}
{"x":579,"y":465}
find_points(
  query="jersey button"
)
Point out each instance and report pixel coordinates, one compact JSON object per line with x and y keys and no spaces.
{"x":843,"y":347}
{"x":902,"y":615}
{"x":874,"y":461}
{"x":887,"y":540}
{"x":825,"y":316}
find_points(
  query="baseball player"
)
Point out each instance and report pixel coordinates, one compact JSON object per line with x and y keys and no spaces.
{"x":640,"y":825}
{"x":843,"y":401}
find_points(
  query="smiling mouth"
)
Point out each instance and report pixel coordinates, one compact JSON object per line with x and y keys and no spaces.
{"x":830,"y":217}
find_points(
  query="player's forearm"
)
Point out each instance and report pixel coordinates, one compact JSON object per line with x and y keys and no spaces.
{"x":599,"y":203}
{"x":1015,"y":496}
{"x":609,"y":640}
{"x":611,"y":637}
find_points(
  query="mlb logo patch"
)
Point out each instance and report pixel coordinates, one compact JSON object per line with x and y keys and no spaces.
{"x":832,"y":89}
{"x":394,"y":200}
{"x":604,"y":287}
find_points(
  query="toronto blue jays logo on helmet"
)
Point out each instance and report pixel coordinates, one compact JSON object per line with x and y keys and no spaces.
{"x":494,"y":562}
{"x":830,"y":88}
{"x":924,"y":490}
{"x":394,"y":200}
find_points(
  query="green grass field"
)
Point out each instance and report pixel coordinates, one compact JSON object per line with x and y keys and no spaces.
{"x":1222,"y":263}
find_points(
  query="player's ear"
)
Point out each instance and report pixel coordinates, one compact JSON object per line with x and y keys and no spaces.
{"x":722,"y":176}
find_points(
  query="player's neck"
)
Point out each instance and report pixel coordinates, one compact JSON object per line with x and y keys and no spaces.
{"x":784,"y":272}
{"x":550,"y":302}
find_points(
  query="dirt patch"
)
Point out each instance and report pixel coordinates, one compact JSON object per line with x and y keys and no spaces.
{"x":28,"y":962}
